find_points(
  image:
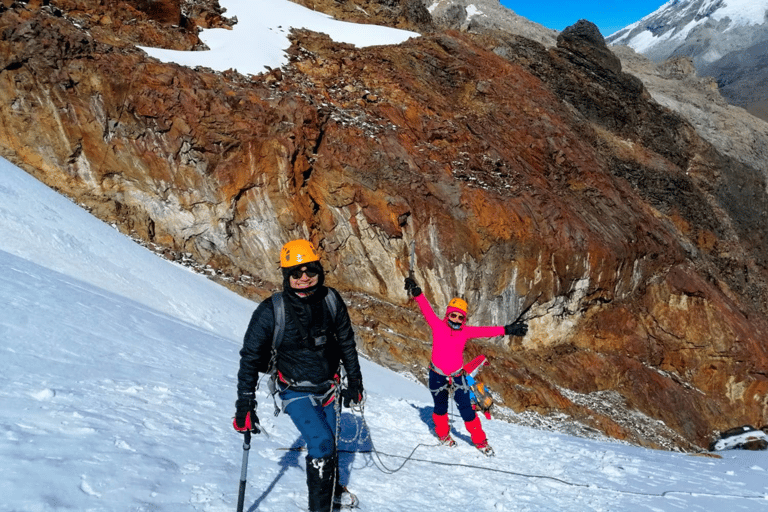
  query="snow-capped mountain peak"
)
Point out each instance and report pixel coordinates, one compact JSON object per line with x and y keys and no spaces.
{"x":702,"y":29}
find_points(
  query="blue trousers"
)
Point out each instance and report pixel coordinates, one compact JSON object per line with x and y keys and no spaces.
{"x":460,"y":395}
{"x":316,"y":422}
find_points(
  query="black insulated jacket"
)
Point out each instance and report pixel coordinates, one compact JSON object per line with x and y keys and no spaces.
{"x":309,"y":355}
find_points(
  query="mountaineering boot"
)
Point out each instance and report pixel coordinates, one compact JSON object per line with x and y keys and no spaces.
{"x":320,"y":475}
{"x":447,"y":440}
{"x":342,"y":498}
{"x":443,"y":429}
{"x":477,"y":434}
{"x":486,"y":449}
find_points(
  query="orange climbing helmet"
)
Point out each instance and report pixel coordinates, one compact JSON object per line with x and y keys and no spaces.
{"x":298,"y":252}
{"x":457,"y":304}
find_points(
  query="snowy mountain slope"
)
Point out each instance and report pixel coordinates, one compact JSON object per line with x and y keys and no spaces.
{"x":112,"y":401}
{"x":118,"y":382}
{"x":263,"y":27}
{"x":704,"y":30}
{"x":64,"y":246}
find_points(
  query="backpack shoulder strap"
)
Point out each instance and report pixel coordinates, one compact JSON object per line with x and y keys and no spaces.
{"x":331,"y":302}
{"x":277,"y":336}
{"x":279,"y":307}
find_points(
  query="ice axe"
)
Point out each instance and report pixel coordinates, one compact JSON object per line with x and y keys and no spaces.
{"x":412,"y":260}
{"x":244,"y":471}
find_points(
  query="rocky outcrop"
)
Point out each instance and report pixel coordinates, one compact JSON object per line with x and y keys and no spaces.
{"x":160,"y":23}
{"x":676,"y":85}
{"x":522,"y":174}
{"x":486,"y":16}
{"x":583,"y":40}
{"x":741,"y":76}
{"x":402,"y":14}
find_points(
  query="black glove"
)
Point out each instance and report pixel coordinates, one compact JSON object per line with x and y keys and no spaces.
{"x":352,"y":394}
{"x":412,"y":287}
{"x":518,"y":328}
{"x":245,"y":416}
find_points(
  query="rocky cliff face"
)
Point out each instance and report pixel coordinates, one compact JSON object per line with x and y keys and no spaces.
{"x":522,"y":174}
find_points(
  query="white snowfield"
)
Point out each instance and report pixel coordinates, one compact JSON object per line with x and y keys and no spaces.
{"x":117,"y":394}
{"x":260,"y":36}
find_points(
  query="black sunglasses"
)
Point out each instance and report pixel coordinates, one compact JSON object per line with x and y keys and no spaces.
{"x":297,"y":273}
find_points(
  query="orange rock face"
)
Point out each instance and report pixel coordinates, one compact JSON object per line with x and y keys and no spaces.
{"x":520,"y":173}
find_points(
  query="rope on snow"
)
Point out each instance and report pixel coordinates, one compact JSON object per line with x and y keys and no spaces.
{"x":384,"y":469}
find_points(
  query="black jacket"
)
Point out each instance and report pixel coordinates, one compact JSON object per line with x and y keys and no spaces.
{"x":299,"y":359}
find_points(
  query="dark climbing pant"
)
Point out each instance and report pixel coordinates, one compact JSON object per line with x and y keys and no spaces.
{"x":438,"y":386}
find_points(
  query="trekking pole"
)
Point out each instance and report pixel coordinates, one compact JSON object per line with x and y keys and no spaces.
{"x":244,"y":471}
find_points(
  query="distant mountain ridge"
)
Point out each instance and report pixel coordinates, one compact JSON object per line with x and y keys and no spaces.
{"x":725,"y":39}
{"x":483,"y":15}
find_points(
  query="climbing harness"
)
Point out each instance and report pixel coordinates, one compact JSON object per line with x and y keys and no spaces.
{"x":451,"y":385}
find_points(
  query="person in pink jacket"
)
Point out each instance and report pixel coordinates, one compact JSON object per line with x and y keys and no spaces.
{"x":449,"y":336}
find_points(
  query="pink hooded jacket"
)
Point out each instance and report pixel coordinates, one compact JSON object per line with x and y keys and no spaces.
{"x":448,"y":344}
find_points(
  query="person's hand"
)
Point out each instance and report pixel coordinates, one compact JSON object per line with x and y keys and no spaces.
{"x":245,"y":416}
{"x":518,"y":328}
{"x":352,"y":395}
{"x":412,"y":287}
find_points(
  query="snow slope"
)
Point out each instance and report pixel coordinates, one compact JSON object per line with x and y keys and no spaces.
{"x":680,"y":17}
{"x":118,"y":383}
{"x":260,"y":37}
{"x":709,"y":29}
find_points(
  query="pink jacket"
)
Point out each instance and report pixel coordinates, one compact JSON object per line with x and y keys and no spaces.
{"x":448,"y":344}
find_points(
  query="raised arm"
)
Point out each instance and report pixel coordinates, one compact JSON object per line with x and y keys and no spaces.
{"x":421,"y":300}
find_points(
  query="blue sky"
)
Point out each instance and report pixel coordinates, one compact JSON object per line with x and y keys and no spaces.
{"x":608,"y":15}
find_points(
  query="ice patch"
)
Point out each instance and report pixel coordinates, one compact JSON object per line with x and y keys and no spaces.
{"x":472,"y":10}
{"x":257,"y":20}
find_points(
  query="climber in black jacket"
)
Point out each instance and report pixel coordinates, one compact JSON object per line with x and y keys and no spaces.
{"x":316,"y":340}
